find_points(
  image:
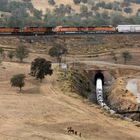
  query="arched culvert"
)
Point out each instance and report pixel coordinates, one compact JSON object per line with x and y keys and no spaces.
{"x":100,"y":75}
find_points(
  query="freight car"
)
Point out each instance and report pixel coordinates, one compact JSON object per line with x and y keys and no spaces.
{"x":99,"y":91}
{"x":128,"y":28}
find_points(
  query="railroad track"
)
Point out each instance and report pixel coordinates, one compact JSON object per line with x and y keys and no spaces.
{"x":72,"y":34}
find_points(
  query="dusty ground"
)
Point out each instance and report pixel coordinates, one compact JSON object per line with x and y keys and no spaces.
{"x":42,"y":112}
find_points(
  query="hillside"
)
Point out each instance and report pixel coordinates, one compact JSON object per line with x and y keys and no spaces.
{"x":43,"y":112}
{"x":21,"y":13}
{"x":43,"y":5}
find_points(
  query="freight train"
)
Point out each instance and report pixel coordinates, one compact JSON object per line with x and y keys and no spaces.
{"x":99,"y":95}
{"x":59,"y":30}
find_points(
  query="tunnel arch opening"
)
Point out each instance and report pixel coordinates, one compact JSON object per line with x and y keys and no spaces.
{"x":100,"y":75}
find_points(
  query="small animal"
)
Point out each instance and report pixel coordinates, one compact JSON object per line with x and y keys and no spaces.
{"x":80,"y":135}
{"x":70,"y":130}
{"x":76,"y":133}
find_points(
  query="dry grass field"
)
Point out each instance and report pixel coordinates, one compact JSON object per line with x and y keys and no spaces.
{"x":43,"y":112}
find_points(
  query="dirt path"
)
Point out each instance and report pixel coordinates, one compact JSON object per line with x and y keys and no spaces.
{"x":43,"y":112}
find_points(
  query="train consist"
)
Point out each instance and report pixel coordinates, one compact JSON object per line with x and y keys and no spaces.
{"x":59,"y":30}
{"x":99,"y":96}
{"x":99,"y":92}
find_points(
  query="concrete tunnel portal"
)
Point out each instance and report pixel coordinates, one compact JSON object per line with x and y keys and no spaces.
{"x":100,"y":75}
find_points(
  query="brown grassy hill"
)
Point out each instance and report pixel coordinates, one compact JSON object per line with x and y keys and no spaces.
{"x":43,"y":5}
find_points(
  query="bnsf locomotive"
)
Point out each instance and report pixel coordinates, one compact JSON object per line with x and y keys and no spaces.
{"x":70,"y":30}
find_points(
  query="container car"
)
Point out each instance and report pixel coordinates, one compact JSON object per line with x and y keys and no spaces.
{"x":128,"y":28}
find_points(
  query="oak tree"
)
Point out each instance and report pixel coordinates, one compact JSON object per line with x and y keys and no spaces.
{"x":40,"y":67}
{"x":18,"y":81}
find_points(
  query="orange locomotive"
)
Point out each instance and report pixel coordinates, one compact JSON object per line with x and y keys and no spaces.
{"x":37,"y":30}
{"x":61,"y":30}
{"x":8,"y":30}
{"x":68,"y":30}
{"x":102,"y":29}
{"x":56,"y":30}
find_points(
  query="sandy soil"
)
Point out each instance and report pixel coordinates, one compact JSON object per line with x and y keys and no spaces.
{"x":42,"y":112}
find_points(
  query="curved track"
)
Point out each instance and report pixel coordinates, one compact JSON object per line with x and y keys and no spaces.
{"x":69,"y":34}
{"x":99,"y":95}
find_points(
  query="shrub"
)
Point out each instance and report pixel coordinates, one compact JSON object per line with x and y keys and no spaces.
{"x":51,"y":2}
{"x":76,"y":1}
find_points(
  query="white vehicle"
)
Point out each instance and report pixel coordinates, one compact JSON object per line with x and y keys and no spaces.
{"x":128,"y":28}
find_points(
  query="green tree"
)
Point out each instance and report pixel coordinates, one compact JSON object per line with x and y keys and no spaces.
{"x":11,"y":54}
{"x":19,"y":13}
{"x":51,"y":2}
{"x":83,"y":9}
{"x":18,"y":81}
{"x":77,"y":1}
{"x":68,"y":9}
{"x":21,"y":52}
{"x":114,"y":57}
{"x":1,"y":52}
{"x":57,"y":51}
{"x":3,"y":5}
{"x":38,"y":14}
{"x":117,"y":19}
{"x":126,"y":56}
{"x":128,"y":10}
{"x":84,"y":1}
{"x":40,"y":67}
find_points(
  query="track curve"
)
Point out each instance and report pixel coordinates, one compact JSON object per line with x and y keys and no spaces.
{"x":100,"y":97}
